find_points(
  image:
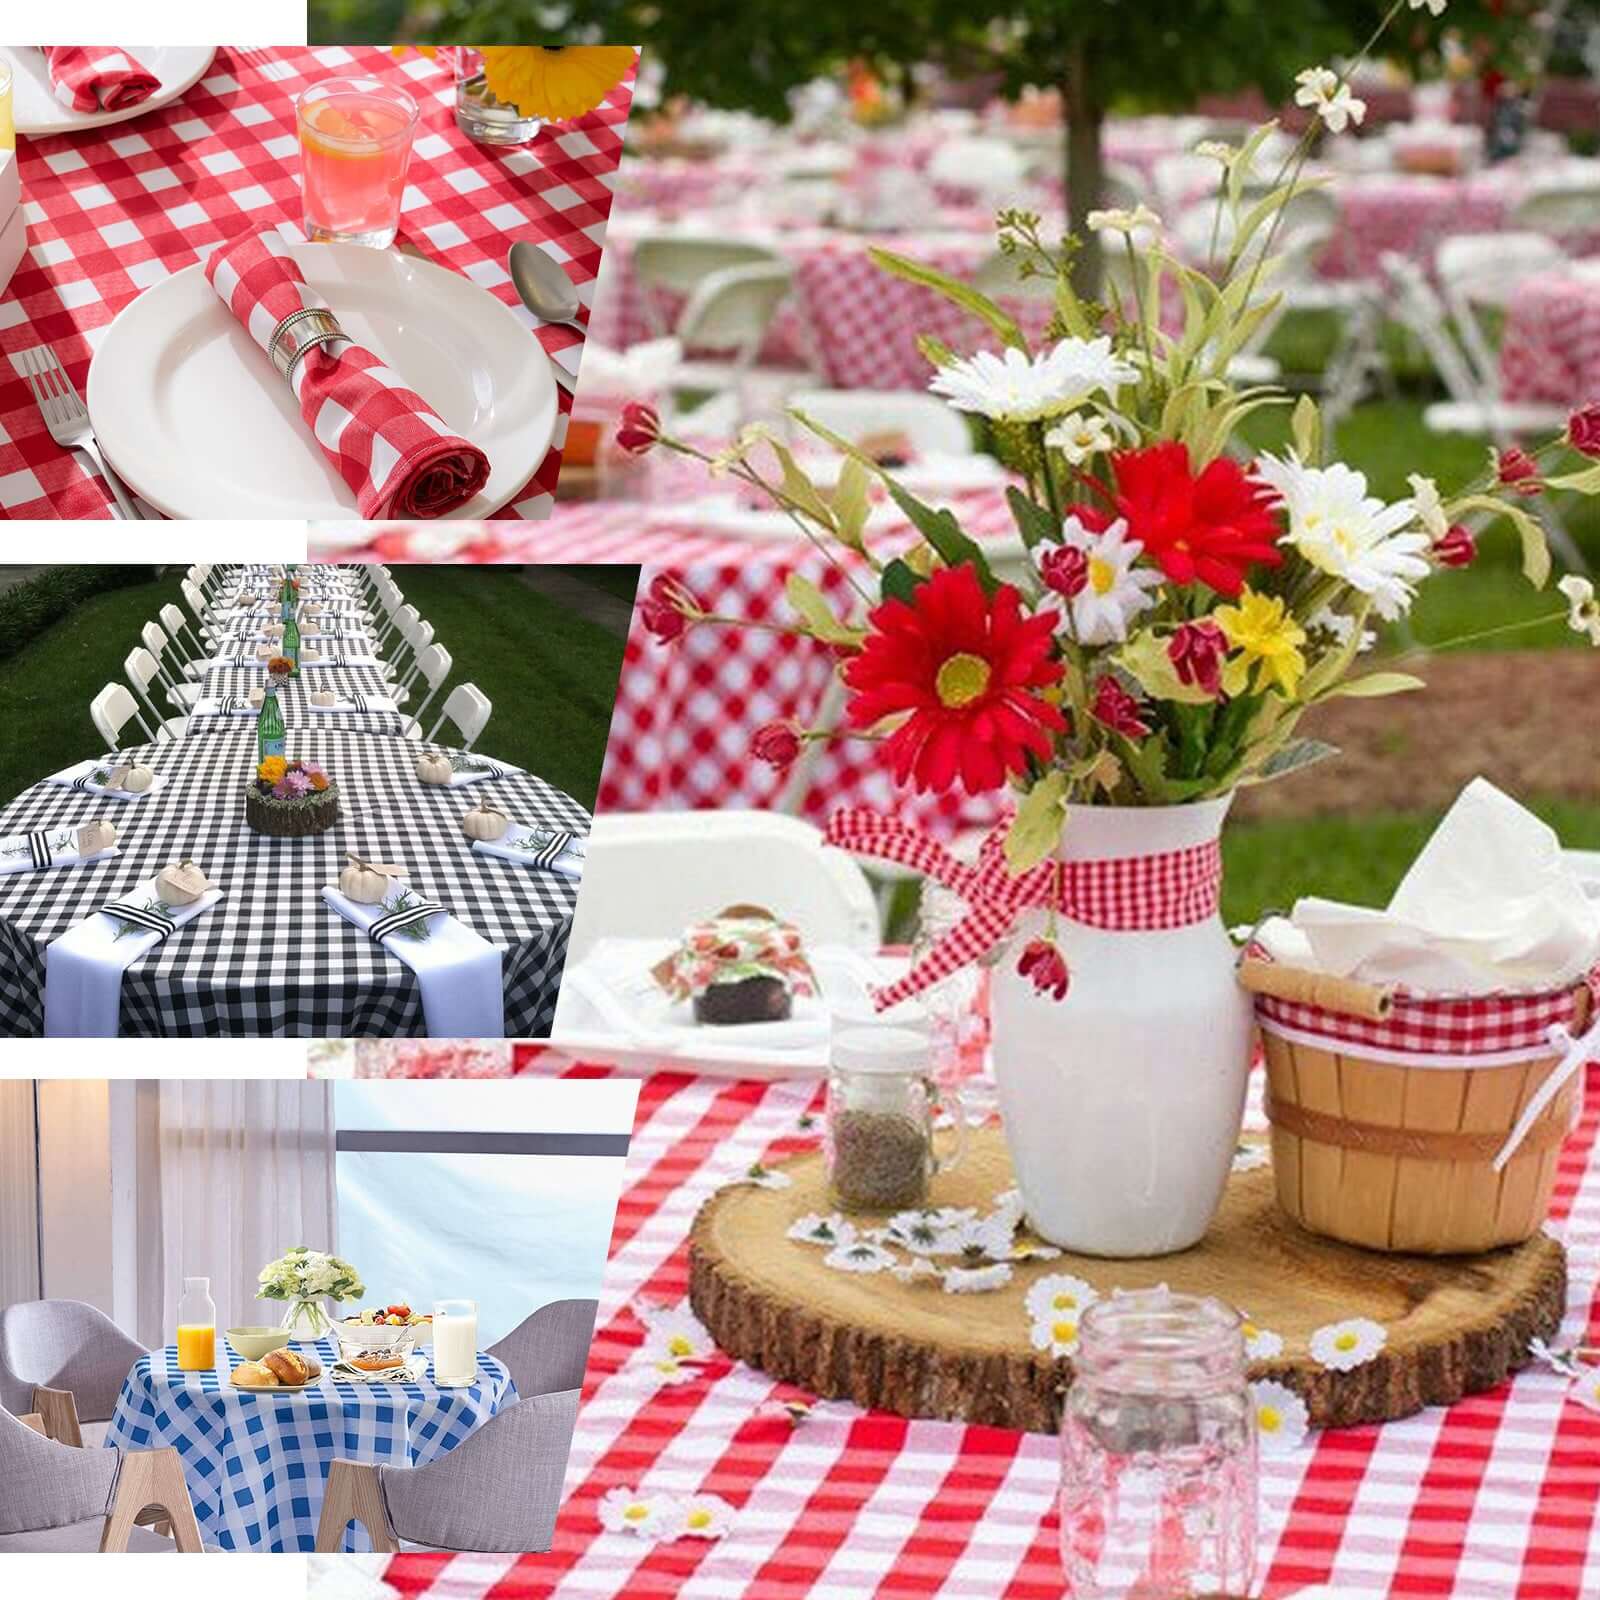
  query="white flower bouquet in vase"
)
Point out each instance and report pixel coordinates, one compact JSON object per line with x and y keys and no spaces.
{"x":1183,"y":602}
{"x":304,"y":1278}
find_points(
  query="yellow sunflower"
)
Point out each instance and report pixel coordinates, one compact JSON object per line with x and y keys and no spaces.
{"x":554,"y":81}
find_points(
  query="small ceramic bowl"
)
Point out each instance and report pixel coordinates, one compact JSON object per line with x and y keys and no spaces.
{"x":253,"y":1343}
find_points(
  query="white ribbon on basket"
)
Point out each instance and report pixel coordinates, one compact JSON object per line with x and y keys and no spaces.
{"x":1574,"y":1053}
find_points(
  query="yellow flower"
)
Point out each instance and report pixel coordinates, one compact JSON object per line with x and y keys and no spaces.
{"x":1264,"y":633}
{"x":555,"y":81}
{"x":272,"y":769}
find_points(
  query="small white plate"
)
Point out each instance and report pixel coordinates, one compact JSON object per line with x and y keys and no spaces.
{"x":197,"y":420}
{"x":612,"y":986}
{"x":38,"y":113}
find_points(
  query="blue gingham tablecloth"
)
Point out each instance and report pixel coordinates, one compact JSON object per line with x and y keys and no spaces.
{"x":257,"y":1462}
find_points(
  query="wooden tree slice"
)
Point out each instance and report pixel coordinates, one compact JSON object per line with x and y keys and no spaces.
{"x":1456,"y":1325}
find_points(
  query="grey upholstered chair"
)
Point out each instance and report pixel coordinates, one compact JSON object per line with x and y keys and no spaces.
{"x":55,"y":1497}
{"x":549,"y":1350}
{"x":67,"y":1361}
{"x":497,"y":1490}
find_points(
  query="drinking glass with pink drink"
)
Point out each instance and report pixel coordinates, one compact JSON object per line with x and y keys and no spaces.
{"x":355,"y":147}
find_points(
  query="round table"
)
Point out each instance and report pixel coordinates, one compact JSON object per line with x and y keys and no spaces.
{"x":1550,"y":344}
{"x":257,"y":1462}
{"x":272,"y":959}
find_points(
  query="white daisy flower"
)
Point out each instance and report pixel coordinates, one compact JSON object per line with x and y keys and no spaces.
{"x":977,"y":1280}
{"x":923,"y":1233}
{"x":1586,"y":1387}
{"x":1248,"y":1157}
{"x":1013,"y":387}
{"x":1031,"y":1249}
{"x":1435,"y":6}
{"x":647,"y":1516}
{"x":984,"y":1239}
{"x":918,"y":1270}
{"x":1115,"y":591}
{"x":1337,"y":628}
{"x":813,"y":1228}
{"x":665,"y":1369}
{"x":1321,"y":91}
{"x":1583,"y":615}
{"x":1281,"y":1417}
{"x":1122,"y":220}
{"x":1057,"y":1334}
{"x":676,"y":1333}
{"x":1059,"y":1294}
{"x":1260,"y":1344}
{"x":1081,"y":434}
{"x":1346,"y":532}
{"x":1343,"y":1346}
{"x":1009,"y":1203}
{"x":765,"y":1178}
{"x":706,"y":1516}
{"x":862,"y":1256}
{"x":1216,"y":149}
{"x":1430,"y":508}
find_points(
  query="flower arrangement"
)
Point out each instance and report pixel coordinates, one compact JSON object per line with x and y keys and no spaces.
{"x":280,"y":667}
{"x":290,"y":780}
{"x":304,"y":1278}
{"x":552,"y":81}
{"x":1185,"y":603}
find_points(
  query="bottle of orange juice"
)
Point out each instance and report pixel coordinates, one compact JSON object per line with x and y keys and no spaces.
{"x":197,"y":1327}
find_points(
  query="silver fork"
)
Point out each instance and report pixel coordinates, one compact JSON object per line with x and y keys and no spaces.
{"x":67,"y":418}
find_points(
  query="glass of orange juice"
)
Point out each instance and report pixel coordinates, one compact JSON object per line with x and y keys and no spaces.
{"x":8,"y":125}
{"x":355,"y":147}
{"x":197,"y":1327}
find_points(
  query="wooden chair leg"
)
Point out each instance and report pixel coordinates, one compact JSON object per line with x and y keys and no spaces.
{"x":151,"y":1478}
{"x":60,"y":1413}
{"x":35,"y":1421}
{"x":353,"y":1495}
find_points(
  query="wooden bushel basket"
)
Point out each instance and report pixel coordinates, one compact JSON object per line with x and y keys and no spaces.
{"x":1388,"y":1110}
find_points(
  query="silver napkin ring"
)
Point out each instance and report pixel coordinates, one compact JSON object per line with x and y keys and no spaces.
{"x":299,"y":332}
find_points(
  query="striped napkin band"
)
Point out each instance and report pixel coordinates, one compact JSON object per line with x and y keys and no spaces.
{"x":396,"y":920}
{"x":548,"y":852}
{"x":86,"y":782}
{"x":39,"y":849}
{"x":157,"y":922}
{"x":232,"y":702}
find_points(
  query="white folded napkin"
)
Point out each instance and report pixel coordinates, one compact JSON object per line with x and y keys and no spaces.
{"x":538,"y":845}
{"x":226,"y":705}
{"x":355,"y":702}
{"x":83,"y":968}
{"x":46,"y":847}
{"x":457,"y":970}
{"x":81,"y":777}
{"x":487,"y":769}
{"x":338,"y":660}
{"x":1488,"y":905}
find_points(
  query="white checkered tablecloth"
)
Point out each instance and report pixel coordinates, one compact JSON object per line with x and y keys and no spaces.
{"x":114,"y":210}
{"x":272,"y":958}
{"x":1550,"y":343}
{"x":1495,"y":1498}
{"x":257,"y":1463}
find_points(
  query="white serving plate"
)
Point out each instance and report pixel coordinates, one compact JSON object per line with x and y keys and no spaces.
{"x":38,"y":112}
{"x":612,"y":1013}
{"x":196,"y":419}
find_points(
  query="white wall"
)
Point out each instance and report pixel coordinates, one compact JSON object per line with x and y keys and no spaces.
{"x":19,"y":1219}
{"x":75,"y":1190}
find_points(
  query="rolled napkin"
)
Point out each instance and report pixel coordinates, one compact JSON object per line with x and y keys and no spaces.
{"x":48,"y":847}
{"x":539,"y":845}
{"x":91,"y":78}
{"x":1489,"y":905}
{"x":457,"y":971}
{"x":398,"y":458}
{"x":348,"y":703}
{"x":92,"y":777}
{"x":467,"y":768}
{"x":313,"y":659}
{"x":228,"y":705}
{"x":83,"y":968}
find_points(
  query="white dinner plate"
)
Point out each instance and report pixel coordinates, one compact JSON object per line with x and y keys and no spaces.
{"x":38,"y":113}
{"x":611,"y":1013}
{"x":196,"y":419}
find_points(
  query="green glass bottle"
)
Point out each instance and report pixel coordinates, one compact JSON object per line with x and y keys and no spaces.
{"x":270,"y":736}
{"x":286,"y":599}
{"x":291,"y":642}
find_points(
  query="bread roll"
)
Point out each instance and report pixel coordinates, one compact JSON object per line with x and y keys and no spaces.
{"x":287,"y":1366}
{"x":254,"y":1375}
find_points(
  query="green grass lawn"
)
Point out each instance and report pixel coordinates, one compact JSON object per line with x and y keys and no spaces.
{"x":551,"y":676}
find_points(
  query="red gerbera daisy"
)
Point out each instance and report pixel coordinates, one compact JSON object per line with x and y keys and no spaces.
{"x":1210,"y":527}
{"x":963,"y":665}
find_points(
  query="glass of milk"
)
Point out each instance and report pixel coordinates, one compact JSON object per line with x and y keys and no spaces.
{"x":455,"y":1343}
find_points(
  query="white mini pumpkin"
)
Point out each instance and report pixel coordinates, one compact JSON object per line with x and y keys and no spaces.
{"x":484,"y":822}
{"x":434,"y":768}
{"x":366,"y":882}
{"x":324,"y":697}
{"x":181,"y":884}
{"x":138,"y":779}
{"x":93,"y":837}
{"x":309,"y":652}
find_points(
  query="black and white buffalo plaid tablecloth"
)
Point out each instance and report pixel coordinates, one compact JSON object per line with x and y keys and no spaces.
{"x":237,"y":682}
{"x":272,"y":958}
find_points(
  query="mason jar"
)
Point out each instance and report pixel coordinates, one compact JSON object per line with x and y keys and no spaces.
{"x":1159,"y":1474}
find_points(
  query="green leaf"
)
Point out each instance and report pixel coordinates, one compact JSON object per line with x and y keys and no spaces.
{"x":1535,"y":552}
{"x":1144,"y":657}
{"x":898,"y":581}
{"x":940,"y":528}
{"x":1305,"y":426}
{"x":1373,"y":685}
{"x":1036,"y":829}
{"x":1244,"y":158}
{"x":1034,"y":523}
{"x":953,"y":290}
{"x":850,"y":506}
{"x":808,"y":603}
{"x":1584,"y":481}
{"x":799,"y":489}
{"x":1291,"y":758}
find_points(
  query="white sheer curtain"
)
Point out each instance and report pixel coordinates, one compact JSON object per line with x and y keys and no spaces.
{"x":245,"y":1170}
{"x":19,"y":1216}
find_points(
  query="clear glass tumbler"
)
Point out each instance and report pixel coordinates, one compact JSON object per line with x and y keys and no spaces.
{"x":355,"y":148}
{"x":479,"y":113}
{"x":1158,"y":1452}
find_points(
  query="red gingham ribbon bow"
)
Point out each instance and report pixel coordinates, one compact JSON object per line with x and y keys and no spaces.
{"x":97,"y":77}
{"x":1126,"y":894}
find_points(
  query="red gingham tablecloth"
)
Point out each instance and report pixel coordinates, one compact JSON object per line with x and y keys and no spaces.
{"x":1550,"y":344}
{"x":1494,"y":1498}
{"x":114,"y":210}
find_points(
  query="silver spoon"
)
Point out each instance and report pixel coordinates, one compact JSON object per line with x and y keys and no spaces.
{"x":547,"y":292}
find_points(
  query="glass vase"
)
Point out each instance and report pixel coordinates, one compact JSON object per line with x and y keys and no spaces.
{"x":305,"y":1322}
{"x":479,"y":114}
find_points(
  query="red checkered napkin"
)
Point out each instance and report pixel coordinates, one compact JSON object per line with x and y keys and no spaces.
{"x":90,"y":77}
{"x":398,"y":457}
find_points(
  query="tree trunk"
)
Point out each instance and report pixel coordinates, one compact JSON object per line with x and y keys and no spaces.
{"x":1085,"y":167}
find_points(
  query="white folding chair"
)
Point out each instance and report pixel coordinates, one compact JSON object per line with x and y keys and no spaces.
{"x":1566,"y":212}
{"x":434,"y":664}
{"x":468,"y":707}
{"x":669,"y":267}
{"x":729,"y":312}
{"x":182,"y":695}
{"x":1477,"y":274}
{"x":929,"y":426}
{"x":141,"y":669}
{"x":992,"y":170}
{"x":112,"y":710}
{"x":185,"y":647}
{"x":401,"y":692}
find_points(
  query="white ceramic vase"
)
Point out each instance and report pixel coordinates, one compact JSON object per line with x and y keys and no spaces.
{"x":1122,"y":1103}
